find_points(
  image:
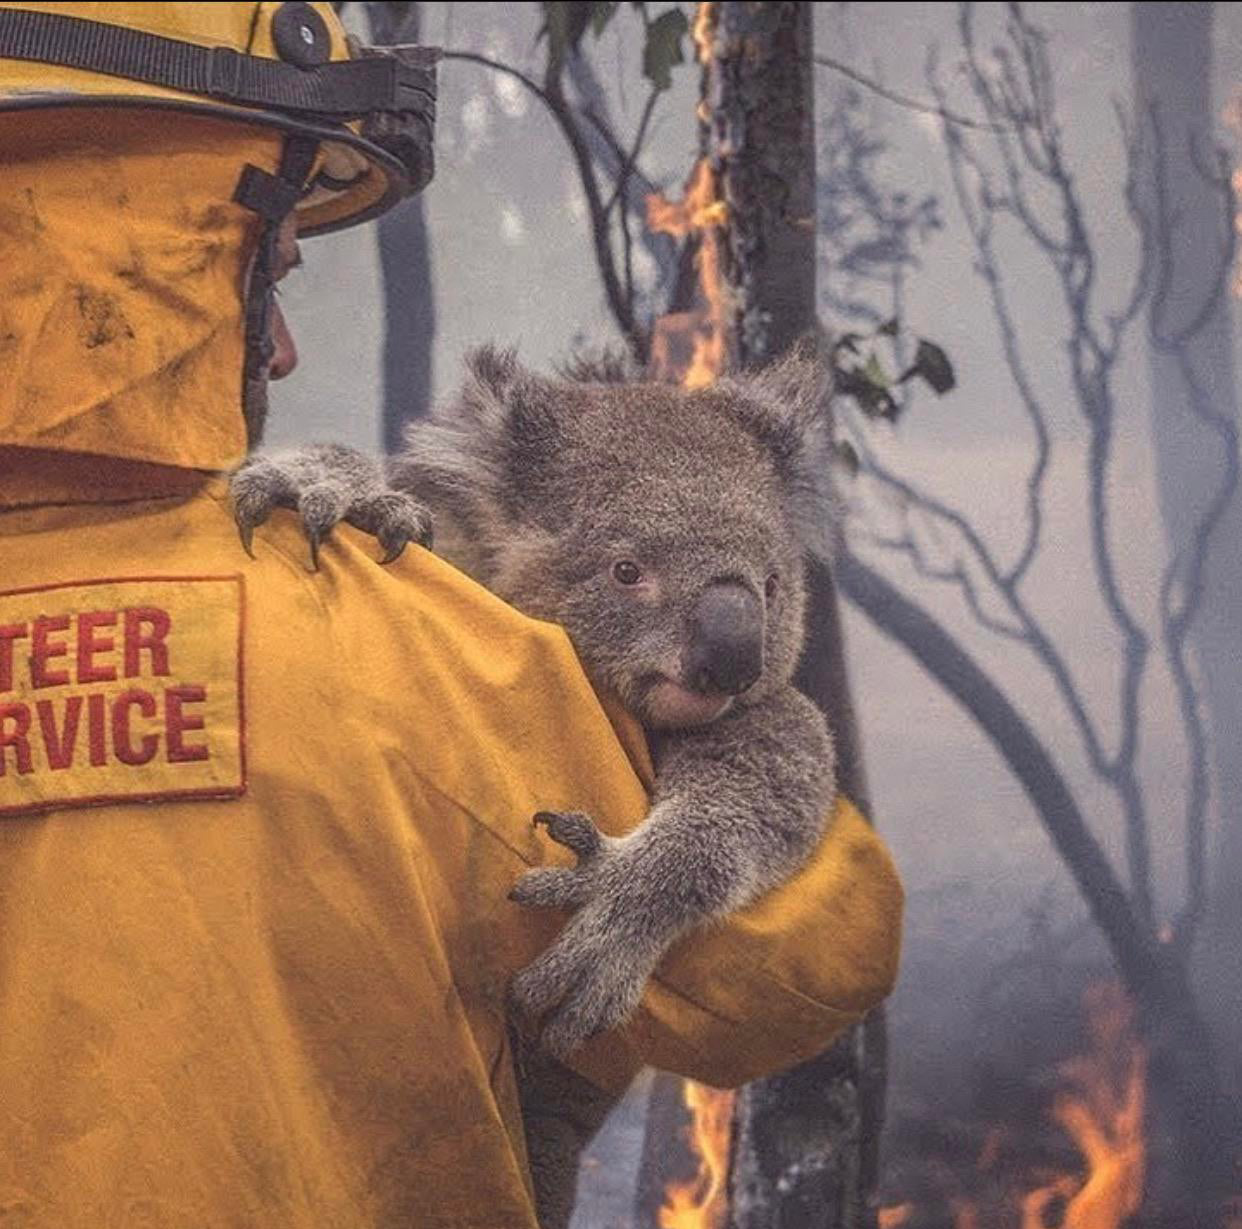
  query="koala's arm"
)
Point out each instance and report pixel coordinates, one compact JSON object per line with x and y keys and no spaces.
{"x":737,"y":808}
{"x":326,"y":484}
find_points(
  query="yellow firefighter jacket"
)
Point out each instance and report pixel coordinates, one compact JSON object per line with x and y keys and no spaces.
{"x":257,"y":826}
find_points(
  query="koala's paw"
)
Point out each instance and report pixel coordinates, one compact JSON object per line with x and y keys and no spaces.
{"x":260,"y":485}
{"x":557,"y":887}
{"x":327,"y":484}
{"x":584,"y":984}
{"x":395,"y":518}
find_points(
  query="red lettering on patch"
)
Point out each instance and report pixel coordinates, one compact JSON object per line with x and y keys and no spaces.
{"x":122,"y":732}
{"x":178,"y":721}
{"x":131,"y":690}
{"x":43,"y":649}
{"x":91,"y":645}
{"x":14,"y":632}
{"x":14,"y":728}
{"x":146,"y":629}
{"x":97,"y":713}
{"x":59,"y":743}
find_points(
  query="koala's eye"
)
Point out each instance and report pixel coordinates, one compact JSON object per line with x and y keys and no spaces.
{"x":771,"y":585}
{"x":627,"y":573}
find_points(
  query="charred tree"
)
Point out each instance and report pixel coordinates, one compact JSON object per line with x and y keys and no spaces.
{"x":803,"y":1142}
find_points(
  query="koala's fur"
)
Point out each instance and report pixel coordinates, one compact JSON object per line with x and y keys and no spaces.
{"x":539,"y":488}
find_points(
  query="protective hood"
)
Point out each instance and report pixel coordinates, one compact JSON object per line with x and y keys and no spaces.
{"x":286,"y":66}
{"x":122,"y":285}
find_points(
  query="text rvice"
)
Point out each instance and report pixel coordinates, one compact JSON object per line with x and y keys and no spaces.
{"x":96,"y":688}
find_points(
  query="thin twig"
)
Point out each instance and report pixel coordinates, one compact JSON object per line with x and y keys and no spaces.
{"x":631,"y":159}
{"x":912,"y":104}
{"x":552,"y":96}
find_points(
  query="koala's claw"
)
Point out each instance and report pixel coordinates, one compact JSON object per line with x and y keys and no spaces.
{"x":397,"y":519}
{"x":313,"y":539}
{"x":392,"y":551}
{"x":558,"y":887}
{"x":257,"y":487}
{"x":326,"y":484}
{"x":573,"y":829}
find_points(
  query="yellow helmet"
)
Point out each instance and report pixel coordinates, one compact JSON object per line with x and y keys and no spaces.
{"x":360,"y":120}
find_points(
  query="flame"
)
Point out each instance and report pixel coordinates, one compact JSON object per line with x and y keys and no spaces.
{"x":703,"y":1202}
{"x":691,"y":346}
{"x":1100,"y":1105}
{"x":1101,"y":1108}
{"x":896,"y":1216}
{"x":703,"y":31}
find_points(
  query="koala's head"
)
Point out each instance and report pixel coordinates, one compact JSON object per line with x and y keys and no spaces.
{"x":666,"y":530}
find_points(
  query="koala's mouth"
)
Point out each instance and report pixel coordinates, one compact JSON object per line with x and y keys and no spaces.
{"x":670,"y":704}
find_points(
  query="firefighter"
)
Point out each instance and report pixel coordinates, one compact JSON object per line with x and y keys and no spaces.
{"x":258,"y":827}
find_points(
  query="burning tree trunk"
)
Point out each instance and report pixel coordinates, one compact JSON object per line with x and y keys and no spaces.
{"x":804,"y":1143}
{"x":798,"y":1137}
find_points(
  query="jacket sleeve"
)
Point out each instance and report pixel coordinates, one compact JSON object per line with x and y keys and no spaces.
{"x":775,"y":983}
{"x":503,"y":723}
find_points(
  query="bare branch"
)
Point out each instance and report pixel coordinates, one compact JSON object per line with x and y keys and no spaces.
{"x":940,"y":112}
{"x":551,"y":94}
{"x":945,"y":660}
{"x":630,"y":161}
{"x":1018,"y":95}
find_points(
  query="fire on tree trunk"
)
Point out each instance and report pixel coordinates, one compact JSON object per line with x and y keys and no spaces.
{"x":803,"y":1144}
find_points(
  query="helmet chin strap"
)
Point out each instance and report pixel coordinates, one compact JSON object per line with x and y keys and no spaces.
{"x":272,"y":197}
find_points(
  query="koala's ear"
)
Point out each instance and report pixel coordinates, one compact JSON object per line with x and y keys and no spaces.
{"x":786,"y":405}
{"x":465,"y":451}
{"x":513,"y":405}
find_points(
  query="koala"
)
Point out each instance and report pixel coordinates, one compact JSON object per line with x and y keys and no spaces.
{"x":667,"y":531}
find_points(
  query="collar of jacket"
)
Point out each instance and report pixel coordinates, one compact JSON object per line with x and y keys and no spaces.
{"x":35,"y":478}
{"x":121,"y":288}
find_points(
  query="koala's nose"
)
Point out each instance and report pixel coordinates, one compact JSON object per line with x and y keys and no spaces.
{"x":726,"y":640}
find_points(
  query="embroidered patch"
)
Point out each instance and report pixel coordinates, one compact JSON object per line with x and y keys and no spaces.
{"x":121,"y":691}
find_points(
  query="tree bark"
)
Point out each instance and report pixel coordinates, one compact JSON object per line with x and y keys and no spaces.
{"x":799,"y":1153}
{"x":405,"y":264}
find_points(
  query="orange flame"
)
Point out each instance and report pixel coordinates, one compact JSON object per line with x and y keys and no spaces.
{"x":896,"y":1216}
{"x":1101,"y":1109}
{"x":703,"y":1202}
{"x":691,"y":346}
{"x":1100,"y":1106}
{"x":703,"y":31}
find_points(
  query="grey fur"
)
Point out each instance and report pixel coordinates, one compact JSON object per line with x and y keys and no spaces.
{"x":543,"y":490}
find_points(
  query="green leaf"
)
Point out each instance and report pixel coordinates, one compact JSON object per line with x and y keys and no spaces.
{"x":931,"y":364}
{"x":873,"y":399}
{"x":875,"y":373}
{"x":601,"y":15}
{"x":663,"y":48}
{"x":564,"y":24}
